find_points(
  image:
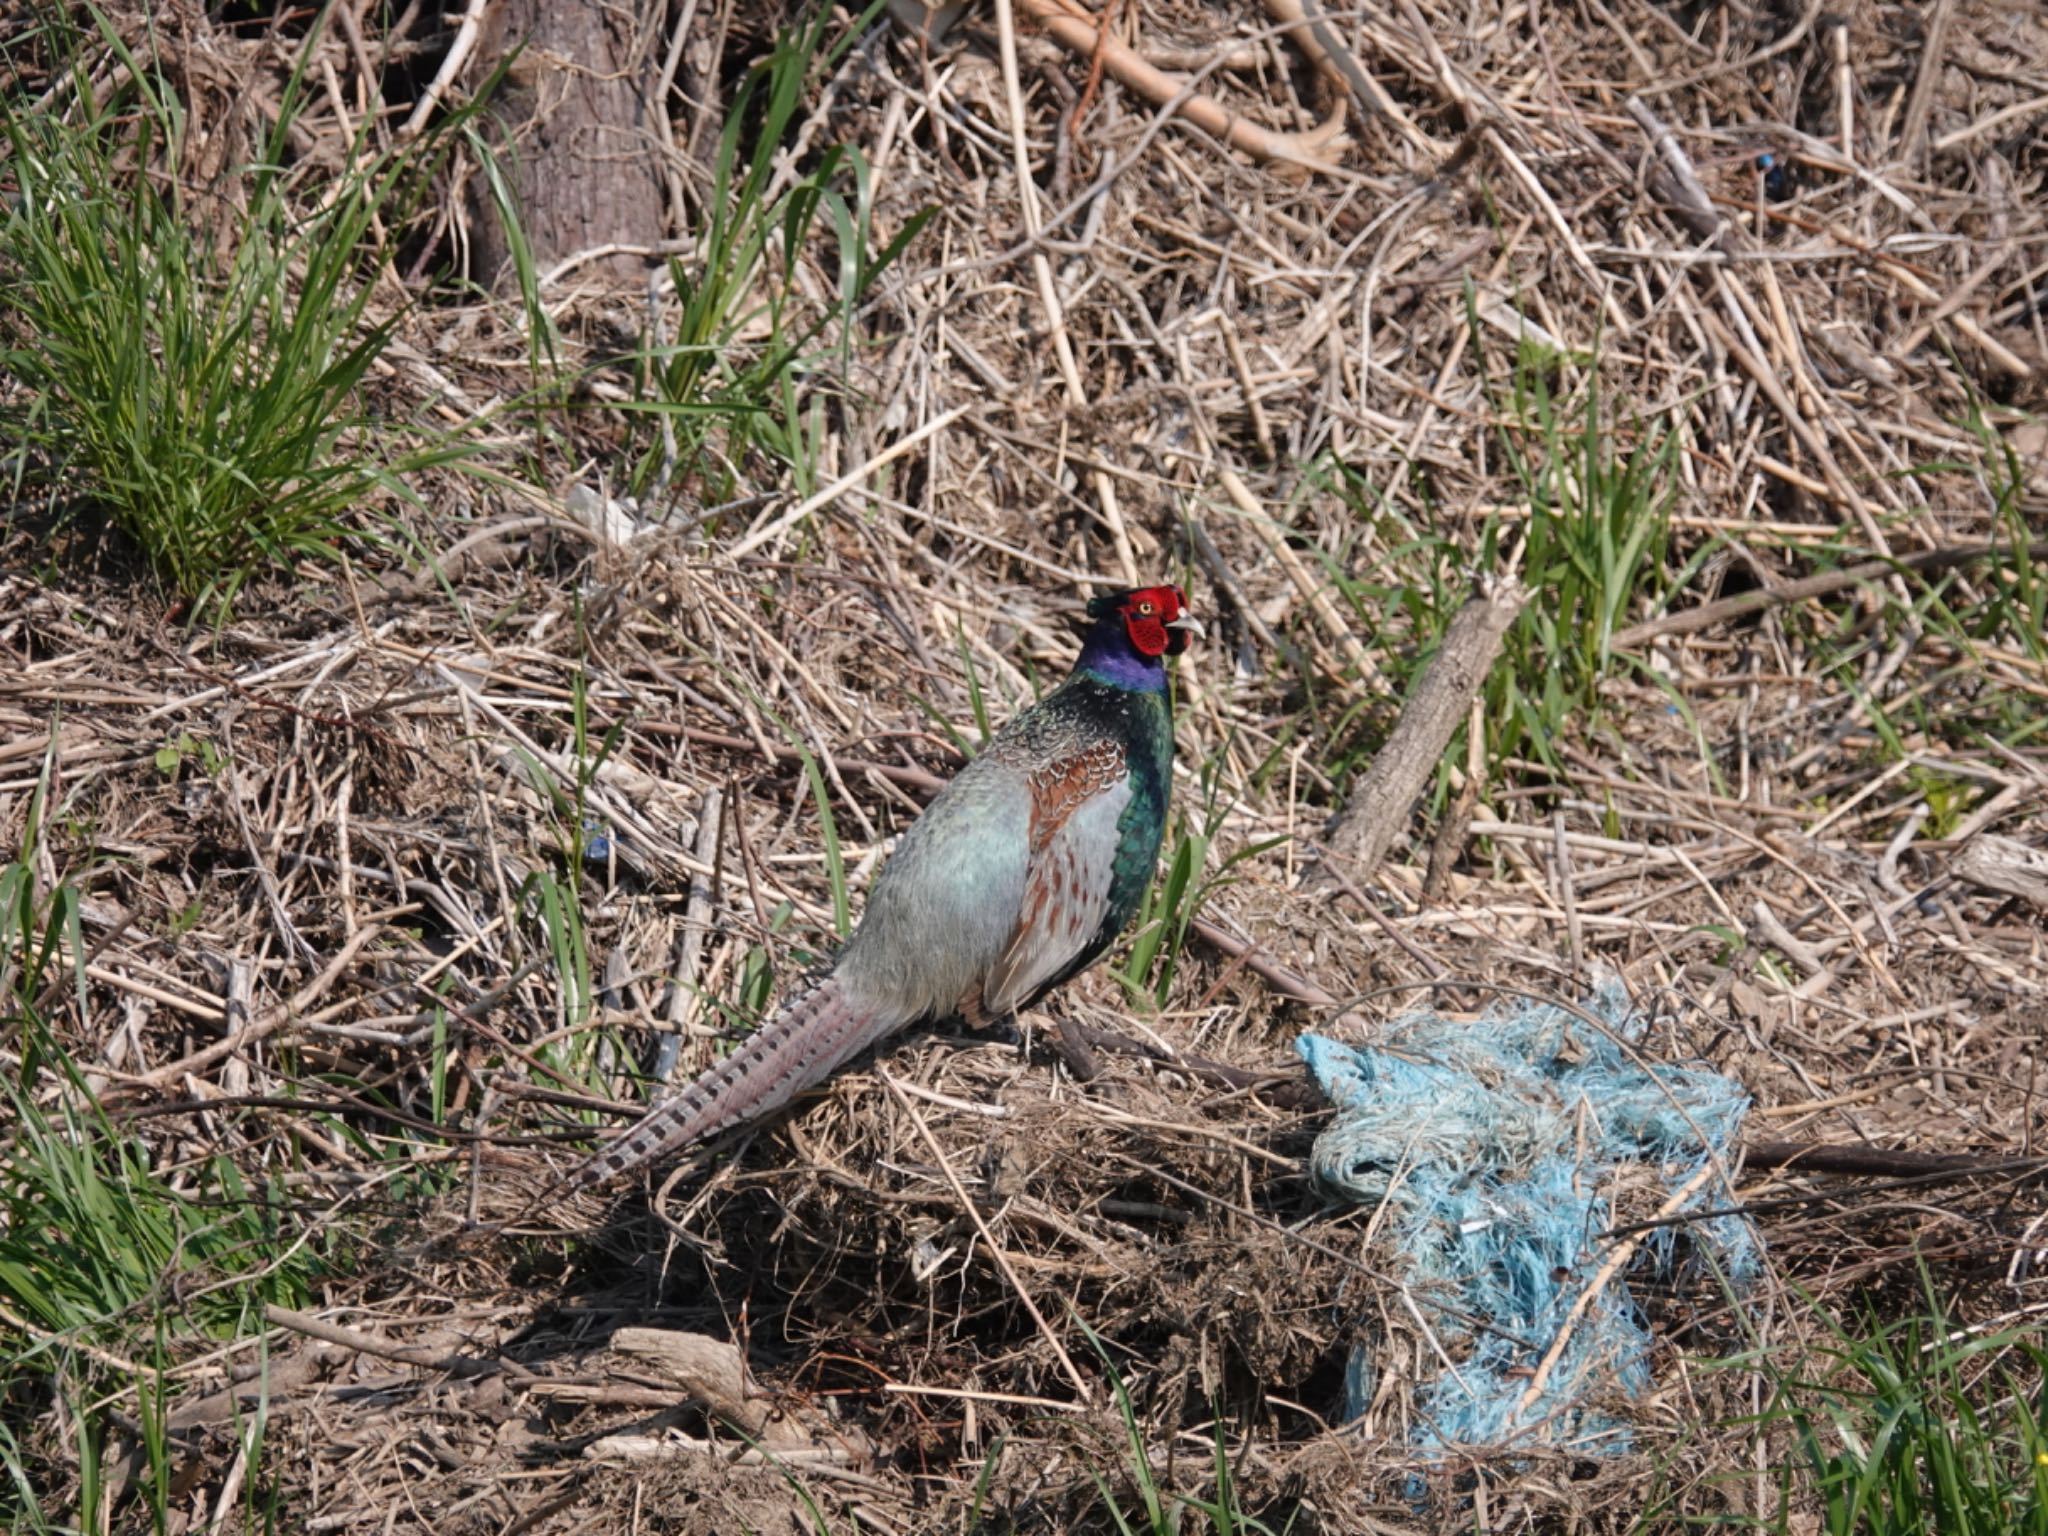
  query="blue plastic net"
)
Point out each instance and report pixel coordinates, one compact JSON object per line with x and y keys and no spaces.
{"x":1498,"y":1147}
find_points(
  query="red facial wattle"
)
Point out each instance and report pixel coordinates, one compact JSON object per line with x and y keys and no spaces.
{"x":1148,"y":617}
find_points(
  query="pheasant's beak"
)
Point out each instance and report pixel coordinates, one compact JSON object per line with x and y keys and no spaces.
{"x":1184,"y":628}
{"x":1190,"y":624}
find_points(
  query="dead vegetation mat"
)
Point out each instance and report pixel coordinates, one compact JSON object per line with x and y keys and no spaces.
{"x":315,"y":846}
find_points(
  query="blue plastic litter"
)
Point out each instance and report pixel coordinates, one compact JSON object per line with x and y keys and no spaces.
{"x":1498,"y":1146}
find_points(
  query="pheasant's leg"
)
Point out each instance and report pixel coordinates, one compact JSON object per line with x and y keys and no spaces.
{"x":1001,"y":1031}
{"x":982,"y":1024}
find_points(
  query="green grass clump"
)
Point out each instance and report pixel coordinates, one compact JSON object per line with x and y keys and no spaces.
{"x":738,"y":374}
{"x":1599,"y":511}
{"x":1899,"y":1428}
{"x":187,"y":363}
{"x":1916,"y":1428}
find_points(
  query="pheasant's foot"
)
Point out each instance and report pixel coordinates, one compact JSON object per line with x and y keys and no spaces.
{"x":1001,"y":1031}
{"x":977,"y":1023}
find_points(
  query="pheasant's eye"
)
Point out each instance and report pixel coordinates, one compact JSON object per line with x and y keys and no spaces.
{"x":1145,"y":610}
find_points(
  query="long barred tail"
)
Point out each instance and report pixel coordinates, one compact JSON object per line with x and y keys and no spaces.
{"x":810,"y":1037}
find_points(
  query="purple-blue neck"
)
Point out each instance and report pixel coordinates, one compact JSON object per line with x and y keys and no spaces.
{"x":1108,"y":656}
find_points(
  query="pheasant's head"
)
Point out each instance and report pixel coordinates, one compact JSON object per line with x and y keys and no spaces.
{"x":1155,"y":620}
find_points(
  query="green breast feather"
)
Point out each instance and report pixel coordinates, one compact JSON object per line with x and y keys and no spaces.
{"x":1142,"y":826}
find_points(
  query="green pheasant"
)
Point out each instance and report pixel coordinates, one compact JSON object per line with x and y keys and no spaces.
{"x":1016,"y":878}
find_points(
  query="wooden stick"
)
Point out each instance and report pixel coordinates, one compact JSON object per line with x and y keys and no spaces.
{"x":1688,"y":620}
{"x":697,"y":922}
{"x":1284,"y":1084}
{"x":1276,"y":976}
{"x":1377,"y":809}
{"x":1616,"y":1262}
{"x":1845,"y":85}
{"x":1934,"y":43}
{"x":1876,"y":1162}
{"x":1686,"y":198}
{"x":272,"y":1019}
{"x":1317,"y":150}
{"x":2005,"y":865}
{"x":1321,"y":43}
{"x":458,"y":54}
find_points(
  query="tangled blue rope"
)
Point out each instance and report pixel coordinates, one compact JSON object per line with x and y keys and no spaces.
{"x":1496,"y":1146}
